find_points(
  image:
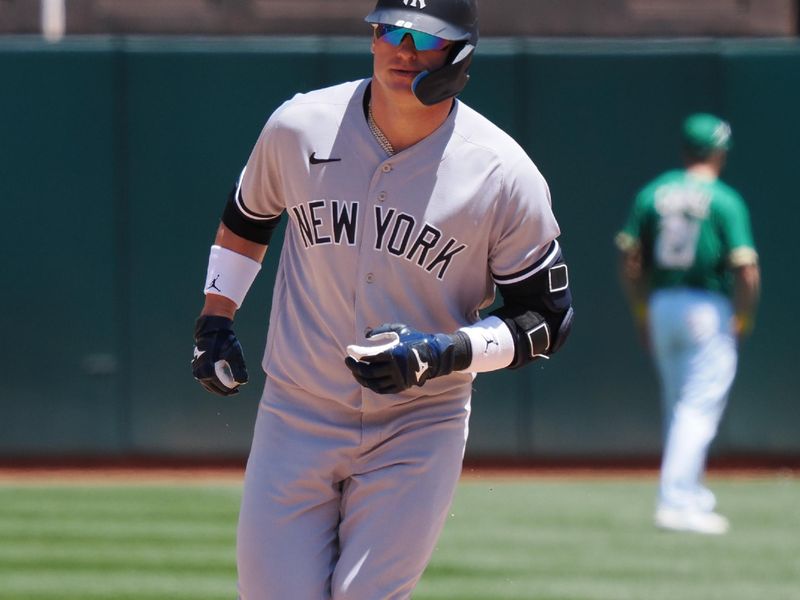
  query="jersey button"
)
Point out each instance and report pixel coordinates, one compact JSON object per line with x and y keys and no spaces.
{"x":382,"y":196}
{"x":370,"y":278}
{"x":386,"y":168}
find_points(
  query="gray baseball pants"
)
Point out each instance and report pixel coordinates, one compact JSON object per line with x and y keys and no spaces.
{"x":344,"y":504}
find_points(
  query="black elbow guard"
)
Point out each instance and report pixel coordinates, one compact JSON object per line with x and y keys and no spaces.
{"x":246,"y":223}
{"x":535,"y":335}
{"x":538,"y":311}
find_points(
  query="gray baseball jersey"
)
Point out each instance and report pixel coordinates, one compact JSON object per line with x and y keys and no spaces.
{"x":417,"y":238}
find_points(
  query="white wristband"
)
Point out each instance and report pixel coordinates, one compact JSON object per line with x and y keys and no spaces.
{"x":492,"y":345}
{"x":230,"y":274}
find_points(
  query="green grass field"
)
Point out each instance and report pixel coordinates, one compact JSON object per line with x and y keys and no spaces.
{"x":575,"y":538}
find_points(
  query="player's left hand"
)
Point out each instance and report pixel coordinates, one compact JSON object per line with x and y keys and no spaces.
{"x":399,"y":357}
{"x":218,"y":361}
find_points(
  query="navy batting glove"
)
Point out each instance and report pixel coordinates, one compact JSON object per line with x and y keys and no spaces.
{"x":218,"y":362}
{"x":402,"y":357}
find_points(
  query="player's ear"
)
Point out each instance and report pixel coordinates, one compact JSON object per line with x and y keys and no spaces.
{"x":372,"y":45}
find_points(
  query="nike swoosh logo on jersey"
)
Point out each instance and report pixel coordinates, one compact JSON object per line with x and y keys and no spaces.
{"x":198,"y":353}
{"x":423,"y":366}
{"x":315,"y":161}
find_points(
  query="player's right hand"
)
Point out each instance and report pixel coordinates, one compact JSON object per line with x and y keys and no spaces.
{"x":218,"y":361}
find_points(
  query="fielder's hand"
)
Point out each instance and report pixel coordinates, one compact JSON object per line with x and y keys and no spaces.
{"x":399,"y":358}
{"x":218,"y":362}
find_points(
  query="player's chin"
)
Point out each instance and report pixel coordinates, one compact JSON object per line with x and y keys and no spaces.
{"x":403,"y":78}
{"x":399,"y":86}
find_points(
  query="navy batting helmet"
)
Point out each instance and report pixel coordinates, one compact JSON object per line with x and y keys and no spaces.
{"x":455,"y":20}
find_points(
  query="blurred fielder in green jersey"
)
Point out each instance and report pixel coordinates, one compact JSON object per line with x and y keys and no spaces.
{"x":690,"y":271}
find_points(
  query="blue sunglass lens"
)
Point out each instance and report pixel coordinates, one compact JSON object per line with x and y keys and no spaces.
{"x":422,"y":41}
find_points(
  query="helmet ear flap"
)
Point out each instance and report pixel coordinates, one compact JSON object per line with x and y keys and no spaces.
{"x":432,"y":87}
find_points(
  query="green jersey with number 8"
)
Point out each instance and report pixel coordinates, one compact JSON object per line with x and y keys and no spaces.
{"x":691,"y":231}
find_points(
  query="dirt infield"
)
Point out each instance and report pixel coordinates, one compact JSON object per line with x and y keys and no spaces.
{"x":209,"y":471}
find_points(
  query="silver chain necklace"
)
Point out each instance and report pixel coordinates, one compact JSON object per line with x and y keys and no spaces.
{"x":379,"y":135}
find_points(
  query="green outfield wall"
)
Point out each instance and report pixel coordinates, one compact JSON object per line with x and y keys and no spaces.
{"x":116,"y":156}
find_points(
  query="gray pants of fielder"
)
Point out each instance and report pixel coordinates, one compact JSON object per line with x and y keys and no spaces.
{"x":340,"y":503}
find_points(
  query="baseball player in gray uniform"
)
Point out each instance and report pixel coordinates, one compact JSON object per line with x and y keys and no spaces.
{"x":407,"y":212}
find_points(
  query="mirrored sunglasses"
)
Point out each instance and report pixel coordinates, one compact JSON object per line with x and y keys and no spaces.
{"x":422,"y":41}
